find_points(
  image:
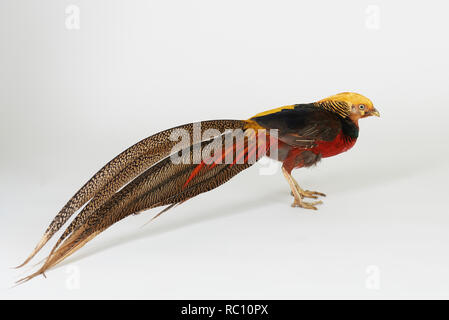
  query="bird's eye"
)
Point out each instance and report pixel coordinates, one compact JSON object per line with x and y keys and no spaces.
{"x":362,"y":107}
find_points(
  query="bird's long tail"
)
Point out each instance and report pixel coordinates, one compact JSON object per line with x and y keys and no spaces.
{"x":157,"y":171}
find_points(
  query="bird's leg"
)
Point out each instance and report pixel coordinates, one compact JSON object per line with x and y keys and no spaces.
{"x":307,"y":193}
{"x":296,"y":191}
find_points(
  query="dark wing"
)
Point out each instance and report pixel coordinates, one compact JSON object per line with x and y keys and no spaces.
{"x":303,"y":125}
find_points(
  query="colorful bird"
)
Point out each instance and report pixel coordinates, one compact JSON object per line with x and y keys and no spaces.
{"x":161,"y":170}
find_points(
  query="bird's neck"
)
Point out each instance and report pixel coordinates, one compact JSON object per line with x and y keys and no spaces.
{"x":350,"y":128}
{"x":337,"y":107}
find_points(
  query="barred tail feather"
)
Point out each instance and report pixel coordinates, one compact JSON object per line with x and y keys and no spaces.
{"x":158,"y":183}
{"x":102,"y":185}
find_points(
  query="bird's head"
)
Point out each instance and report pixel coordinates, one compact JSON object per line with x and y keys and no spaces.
{"x":358,"y":106}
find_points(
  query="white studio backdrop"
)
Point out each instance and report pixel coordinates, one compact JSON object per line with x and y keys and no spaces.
{"x":83,"y":80}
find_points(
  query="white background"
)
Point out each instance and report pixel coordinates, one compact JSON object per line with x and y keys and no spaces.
{"x":70,"y":100}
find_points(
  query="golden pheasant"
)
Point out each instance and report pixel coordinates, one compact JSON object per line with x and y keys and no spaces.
{"x":177,"y":164}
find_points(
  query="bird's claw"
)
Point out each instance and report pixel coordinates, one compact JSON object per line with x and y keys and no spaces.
{"x":309,"y":194}
{"x":306,"y":205}
{"x":312,"y":194}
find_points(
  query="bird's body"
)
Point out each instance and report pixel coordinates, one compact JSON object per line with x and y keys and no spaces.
{"x":157,"y":172}
{"x":307,"y":128}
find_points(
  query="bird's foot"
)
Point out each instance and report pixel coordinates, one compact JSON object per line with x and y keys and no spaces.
{"x":299,"y":194}
{"x":308,"y":193}
{"x":306,"y":205}
{"x":311,"y":194}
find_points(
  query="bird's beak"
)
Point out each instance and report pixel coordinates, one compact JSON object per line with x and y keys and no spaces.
{"x":374,"y":112}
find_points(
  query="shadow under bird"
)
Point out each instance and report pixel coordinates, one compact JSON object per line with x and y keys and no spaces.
{"x":146,"y":176}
